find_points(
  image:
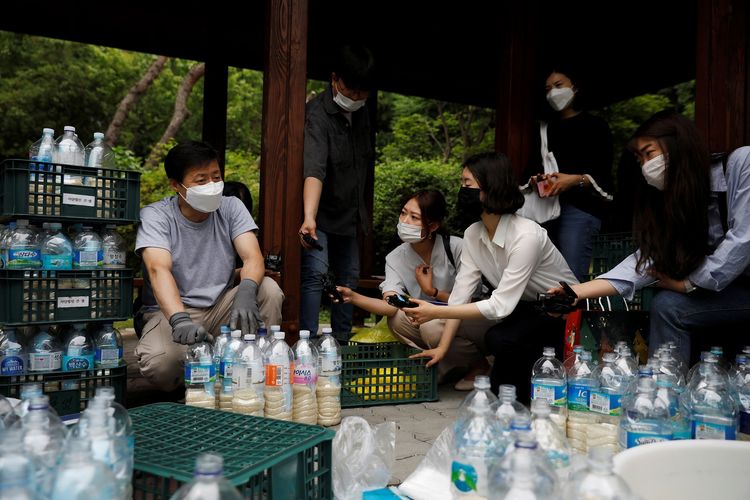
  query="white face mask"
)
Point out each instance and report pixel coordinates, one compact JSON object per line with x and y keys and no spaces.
{"x":654,"y":171}
{"x":560,"y":98}
{"x":409,"y":233}
{"x":347,"y":104}
{"x":205,"y":198}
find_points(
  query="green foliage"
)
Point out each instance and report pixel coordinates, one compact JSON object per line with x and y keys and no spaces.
{"x":245,"y":167}
{"x":394,"y":182}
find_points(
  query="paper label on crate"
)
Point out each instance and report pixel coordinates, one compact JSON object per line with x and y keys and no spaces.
{"x":81,"y":200}
{"x":45,"y":361}
{"x":278,"y":375}
{"x":199,"y":374}
{"x":108,"y":356}
{"x":330,"y":364}
{"x":711,"y":430}
{"x":11,"y":365}
{"x":578,"y":397}
{"x":72,"y":302}
{"x":607,"y":404}
{"x":77,"y":363}
{"x":305,"y":374}
{"x":555,"y":395}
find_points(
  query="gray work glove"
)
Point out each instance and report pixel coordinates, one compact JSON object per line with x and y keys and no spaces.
{"x":245,"y":312}
{"x":184,"y":331}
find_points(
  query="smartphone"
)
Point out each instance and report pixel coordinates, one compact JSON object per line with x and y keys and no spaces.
{"x":568,"y":291}
{"x":400,"y":301}
{"x":311,"y":241}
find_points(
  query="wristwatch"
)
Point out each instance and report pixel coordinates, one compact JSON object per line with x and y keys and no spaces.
{"x":689,"y":287}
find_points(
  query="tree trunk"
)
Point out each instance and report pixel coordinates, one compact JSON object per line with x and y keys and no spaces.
{"x":181,"y":111}
{"x":132,"y":98}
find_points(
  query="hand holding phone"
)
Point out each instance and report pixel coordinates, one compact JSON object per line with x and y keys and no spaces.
{"x":311,"y":241}
{"x":400,"y":301}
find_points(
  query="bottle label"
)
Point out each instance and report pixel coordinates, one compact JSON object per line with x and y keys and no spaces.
{"x":305,"y":374}
{"x":225,"y":369}
{"x":555,"y":395}
{"x":199,"y":374}
{"x":45,"y":361}
{"x":24,"y":258}
{"x":246,"y":375}
{"x":85,"y":258}
{"x":330,"y":364}
{"x":578,"y":397}
{"x":108,"y":355}
{"x":113,"y":257}
{"x":77,"y":363}
{"x":710,"y":430}
{"x":60,"y":261}
{"x":607,"y":404}
{"x":464,"y":477}
{"x":633,"y":439}
{"x":11,"y":365}
{"x":278,"y":375}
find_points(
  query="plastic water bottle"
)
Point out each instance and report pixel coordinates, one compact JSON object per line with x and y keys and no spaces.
{"x":645,"y":417}
{"x":43,"y":438}
{"x":741,"y":381}
{"x":12,"y":354}
{"x":278,"y":360}
{"x":507,"y":406}
{"x":45,"y":352}
{"x":328,"y":390}
{"x":229,"y":359}
{"x":549,"y":382}
{"x":701,"y":371}
{"x":580,"y":382}
{"x":5,"y":242}
{"x":17,"y":470}
{"x":120,"y":419}
{"x":87,"y":250}
{"x":208,"y":481}
{"x":475,"y":444}
{"x":113,"y":248}
{"x":224,"y":337}
{"x":711,"y":409}
{"x":81,"y":477}
{"x":249,"y":380}
{"x":8,"y":416}
{"x":605,"y":403}
{"x":23,"y":248}
{"x":627,"y":363}
{"x":108,"y":342}
{"x":666,"y":391}
{"x":42,"y":151}
{"x":98,"y":153}
{"x":107,"y":447}
{"x":598,"y":480}
{"x":305,"y":380}
{"x":550,"y":438}
{"x":574,"y":359}
{"x":56,"y":249}
{"x":79,"y":350}
{"x":200,"y":376}
{"x":670,"y":367}
{"x":69,"y":148}
{"x":28,"y":391}
{"x":524,"y":472}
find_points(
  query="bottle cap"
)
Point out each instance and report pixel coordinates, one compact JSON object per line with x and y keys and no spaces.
{"x":48,"y":131}
{"x":608,"y":357}
{"x":549,"y":351}
{"x":482,"y":382}
{"x":278,"y":335}
{"x":327,"y":330}
{"x":98,"y":135}
{"x":304,"y":334}
{"x":275,"y":328}
{"x":236,"y":334}
{"x":225,"y":329}
{"x":249,"y":337}
{"x":69,"y":128}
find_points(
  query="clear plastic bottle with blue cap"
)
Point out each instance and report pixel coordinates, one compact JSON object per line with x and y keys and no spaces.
{"x":12,"y":353}
{"x":230,"y":357}
{"x":224,"y":337}
{"x":524,"y":472}
{"x":108,"y":342}
{"x":605,"y":403}
{"x":200,"y":376}
{"x":580,"y":382}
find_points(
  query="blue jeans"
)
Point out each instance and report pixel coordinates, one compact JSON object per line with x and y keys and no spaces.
{"x":573,"y":234}
{"x":676,"y":316}
{"x":340,"y":255}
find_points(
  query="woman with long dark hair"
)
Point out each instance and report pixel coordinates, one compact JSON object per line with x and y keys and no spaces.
{"x":692,"y":228}
{"x":517,"y":258}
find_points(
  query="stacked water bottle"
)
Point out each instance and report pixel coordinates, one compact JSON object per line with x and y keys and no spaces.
{"x":500,"y":451}
{"x":40,"y":458}
{"x":618,"y":404}
{"x":68,"y":149}
{"x":267,"y":378}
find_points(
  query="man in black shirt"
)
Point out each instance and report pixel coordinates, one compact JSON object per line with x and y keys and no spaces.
{"x":338,"y":154}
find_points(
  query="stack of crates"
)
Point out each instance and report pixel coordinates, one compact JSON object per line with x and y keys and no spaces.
{"x":53,"y":192}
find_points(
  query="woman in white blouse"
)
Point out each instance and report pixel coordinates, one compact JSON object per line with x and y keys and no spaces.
{"x":518,"y":259}
{"x":424,"y":266}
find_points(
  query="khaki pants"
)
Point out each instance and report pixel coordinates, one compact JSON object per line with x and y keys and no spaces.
{"x":466,"y":349}
{"x":161,"y":360}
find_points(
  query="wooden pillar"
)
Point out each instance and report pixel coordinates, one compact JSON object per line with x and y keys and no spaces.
{"x":215,"y":83}
{"x":514,"y":112}
{"x":284,"y":82}
{"x":722,"y":85}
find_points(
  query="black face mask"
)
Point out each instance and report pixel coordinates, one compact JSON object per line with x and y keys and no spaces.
{"x":469,"y":206}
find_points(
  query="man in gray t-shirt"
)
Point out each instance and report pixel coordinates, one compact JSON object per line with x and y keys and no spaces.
{"x":188,"y":243}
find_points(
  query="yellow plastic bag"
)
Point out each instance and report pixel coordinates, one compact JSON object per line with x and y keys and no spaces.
{"x":374,"y":334}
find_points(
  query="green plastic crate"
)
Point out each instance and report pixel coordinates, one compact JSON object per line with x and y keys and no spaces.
{"x":69,"y":392}
{"x":31,"y":190}
{"x":383,"y":374}
{"x":40,"y":297}
{"x":265,"y":458}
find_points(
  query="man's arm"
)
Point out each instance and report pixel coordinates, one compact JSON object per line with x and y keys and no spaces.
{"x":311,"y":200}
{"x":158,"y":264}
{"x":253,"y":266}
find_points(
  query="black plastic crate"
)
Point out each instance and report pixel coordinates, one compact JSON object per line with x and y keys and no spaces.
{"x":69,"y":392}
{"x":40,"y":297}
{"x":31,"y":190}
